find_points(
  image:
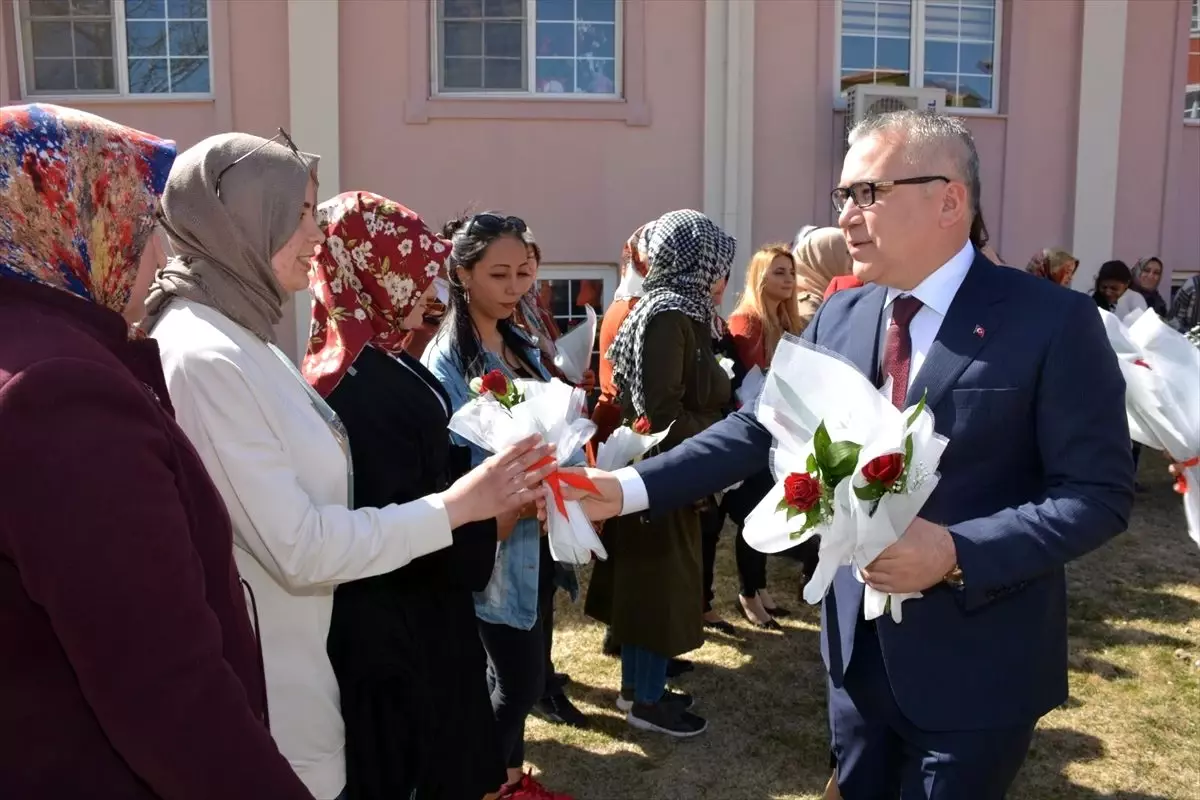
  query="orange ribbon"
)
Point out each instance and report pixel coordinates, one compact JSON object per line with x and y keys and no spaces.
{"x":1140,"y":363}
{"x":555,"y":480}
{"x":1181,"y":483}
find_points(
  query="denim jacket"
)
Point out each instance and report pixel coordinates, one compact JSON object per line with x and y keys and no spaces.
{"x":511,"y":597}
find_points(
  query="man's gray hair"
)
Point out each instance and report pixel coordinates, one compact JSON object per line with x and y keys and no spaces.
{"x":926,"y":136}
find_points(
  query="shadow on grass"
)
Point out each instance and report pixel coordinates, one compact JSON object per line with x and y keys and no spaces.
{"x":1054,"y":750}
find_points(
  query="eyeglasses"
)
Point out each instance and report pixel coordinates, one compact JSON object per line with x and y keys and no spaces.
{"x":494,"y":223}
{"x":863,"y":192}
{"x":287,"y":140}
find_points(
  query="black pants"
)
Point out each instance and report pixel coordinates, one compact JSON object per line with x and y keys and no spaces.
{"x":712,"y":519}
{"x":517,"y":664}
{"x":751,"y":566}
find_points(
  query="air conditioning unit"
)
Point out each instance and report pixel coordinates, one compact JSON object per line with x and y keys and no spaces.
{"x":869,"y":99}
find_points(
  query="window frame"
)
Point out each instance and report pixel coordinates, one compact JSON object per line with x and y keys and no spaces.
{"x":121,"y":67}
{"x":607,"y":274}
{"x":435,"y":62}
{"x":916,"y":57}
{"x":1191,"y":88}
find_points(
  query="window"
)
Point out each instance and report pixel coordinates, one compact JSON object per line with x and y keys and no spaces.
{"x":115,"y":47}
{"x":952,"y":44}
{"x":566,"y":290}
{"x":515,"y":47}
{"x":1191,"y":98}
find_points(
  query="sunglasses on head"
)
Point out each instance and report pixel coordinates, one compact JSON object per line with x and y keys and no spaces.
{"x":282,"y":135}
{"x":494,"y":223}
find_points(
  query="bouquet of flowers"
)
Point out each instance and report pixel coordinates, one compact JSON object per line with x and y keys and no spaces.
{"x":573,"y":354}
{"x":850,"y":467}
{"x":503,"y":411}
{"x":628,"y":444}
{"x":1162,"y":398}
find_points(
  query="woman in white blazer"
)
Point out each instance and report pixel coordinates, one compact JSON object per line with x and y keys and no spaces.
{"x":238,"y":210}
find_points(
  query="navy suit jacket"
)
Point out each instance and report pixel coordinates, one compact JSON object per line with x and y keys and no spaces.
{"x":1038,"y":472}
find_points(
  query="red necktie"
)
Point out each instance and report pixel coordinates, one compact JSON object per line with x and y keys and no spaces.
{"x":897,"y":352}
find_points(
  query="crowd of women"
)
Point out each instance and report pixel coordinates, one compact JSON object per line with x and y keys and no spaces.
{"x":226,"y":575}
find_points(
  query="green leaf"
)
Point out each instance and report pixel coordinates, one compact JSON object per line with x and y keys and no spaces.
{"x":821,"y":444}
{"x":843,"y":458}
{"x":793,"y":511}
{"x":812,"y":517}
{"x":870,"y":492}
{"x":812,"y":463}
{"x":782,"y":505}
{"x":908,"y":451}
{"x":917,"y":411}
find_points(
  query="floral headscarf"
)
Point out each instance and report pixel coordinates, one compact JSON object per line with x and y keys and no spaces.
{"x":77,"y":200}
{"x":377,"y":260}
{"x":689,"y":253}
{"x":1054,"y":265}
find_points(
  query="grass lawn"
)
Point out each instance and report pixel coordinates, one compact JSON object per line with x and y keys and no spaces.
{"x":1130,"y":730}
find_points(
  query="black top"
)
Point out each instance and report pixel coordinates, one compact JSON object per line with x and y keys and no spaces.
{"x":405,"y":646}
{"x":395,"y":412}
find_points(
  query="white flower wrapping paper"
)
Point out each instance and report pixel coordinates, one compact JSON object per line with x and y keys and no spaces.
{"x":624,"y":445}
{"x":558,"y":412}
{"x":1162,"y":395}
{"x":573,"y":350}
{"x":803,"y":388}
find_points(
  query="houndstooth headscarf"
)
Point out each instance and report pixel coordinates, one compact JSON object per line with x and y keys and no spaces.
{"x":687,"y":254}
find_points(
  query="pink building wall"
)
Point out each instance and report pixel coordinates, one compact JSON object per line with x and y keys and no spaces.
{"x":585,"y":174}
{"x":583,"y":185}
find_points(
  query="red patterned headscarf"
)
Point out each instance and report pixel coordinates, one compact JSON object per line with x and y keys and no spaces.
{"x":77,"y":200}
{"x":377,"y":260}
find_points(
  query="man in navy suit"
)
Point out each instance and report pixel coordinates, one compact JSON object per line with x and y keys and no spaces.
{"x":1020,"y":377}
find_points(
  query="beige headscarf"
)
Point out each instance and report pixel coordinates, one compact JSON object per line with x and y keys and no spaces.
{"x":821,"y":255}
{"x":223,"y":245}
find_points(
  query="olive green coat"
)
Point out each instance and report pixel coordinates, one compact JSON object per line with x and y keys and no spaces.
{"x":650,"y":590}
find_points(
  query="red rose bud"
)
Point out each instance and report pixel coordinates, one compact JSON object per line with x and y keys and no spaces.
{"x":496,"y":383}
{"x":641,"y":425}
{"x":801,"y":491}
{"x":884,"y":469}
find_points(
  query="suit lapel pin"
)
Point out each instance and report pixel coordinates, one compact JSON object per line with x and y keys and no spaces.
{"x":979,"y":331}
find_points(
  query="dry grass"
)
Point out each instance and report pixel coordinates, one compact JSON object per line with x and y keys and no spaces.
{"x":1131,"y":729}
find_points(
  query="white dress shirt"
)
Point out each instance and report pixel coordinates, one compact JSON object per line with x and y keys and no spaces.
{"x":284,"y":479}
{"x":936,"y":293}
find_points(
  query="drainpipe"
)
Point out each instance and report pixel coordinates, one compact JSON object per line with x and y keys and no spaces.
{"x":313,"y":123}
{"x":1101,"y":84}
{"x":729,"y":127}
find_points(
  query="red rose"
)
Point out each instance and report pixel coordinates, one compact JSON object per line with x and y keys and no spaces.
{"x":801,"y":491}
{"x":884,"y":469}
{"x":495,"y":382}
{"x":641,"y":425}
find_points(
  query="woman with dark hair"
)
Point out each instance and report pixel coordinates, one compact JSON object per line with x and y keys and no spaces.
{"x":404,"y":645}
{"x":130,"y":669}
{"x":1112,"y":284}
{"x":490,"y":271}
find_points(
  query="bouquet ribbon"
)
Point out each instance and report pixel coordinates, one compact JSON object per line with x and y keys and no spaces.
{"x":556,"y":479}
{"x":1181,"y":482}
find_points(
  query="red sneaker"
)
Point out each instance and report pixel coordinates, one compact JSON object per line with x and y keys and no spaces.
{"x":529,"y":789}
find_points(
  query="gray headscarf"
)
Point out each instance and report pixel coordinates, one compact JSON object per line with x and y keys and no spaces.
{"x":223,"y":245}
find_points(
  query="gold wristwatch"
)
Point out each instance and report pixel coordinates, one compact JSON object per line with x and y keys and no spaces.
{"x":954,"y":577}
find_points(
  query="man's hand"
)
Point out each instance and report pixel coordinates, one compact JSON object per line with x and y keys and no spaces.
{"x":600,"y":506}
{"x":918,"y":560}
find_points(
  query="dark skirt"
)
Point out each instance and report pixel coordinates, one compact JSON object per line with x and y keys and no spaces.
{"x":415,"y":701}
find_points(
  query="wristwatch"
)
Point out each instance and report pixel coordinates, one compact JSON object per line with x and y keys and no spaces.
{"x":954,"y":577}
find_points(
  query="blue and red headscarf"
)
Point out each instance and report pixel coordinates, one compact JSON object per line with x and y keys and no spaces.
{"x":78,"y":195}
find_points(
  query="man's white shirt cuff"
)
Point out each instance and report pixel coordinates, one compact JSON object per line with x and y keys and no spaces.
{"x":633,"y":491}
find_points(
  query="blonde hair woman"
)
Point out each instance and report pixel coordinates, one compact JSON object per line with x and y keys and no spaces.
{"x":821,"y":255}
{"x":768,"y":308}
{"x":769,"y":305}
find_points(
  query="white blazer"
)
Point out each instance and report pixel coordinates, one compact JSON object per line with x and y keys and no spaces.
{"x":284,"y":478}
